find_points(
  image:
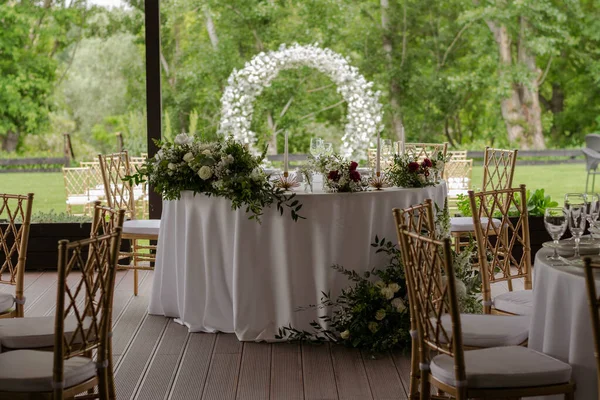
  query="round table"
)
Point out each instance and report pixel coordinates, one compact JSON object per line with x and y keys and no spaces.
{"x":216,"y":270}
{"x":561,"y":325}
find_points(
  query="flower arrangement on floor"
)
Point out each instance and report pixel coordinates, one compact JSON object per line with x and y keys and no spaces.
{"x":406,"y":171}
{"x":373,"y":313}
{"x":225,"y":168}
{"x":339,"y":174}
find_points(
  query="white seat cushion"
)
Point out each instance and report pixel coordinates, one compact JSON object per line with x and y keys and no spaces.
{"x":81,"y":200}
{"x":519,"y":302}
{"x":6,"y":302}
{"x":31,"y":371}
{"x":503,"y":367}
{"x":33,"y":332}
{"x":465,"y":224}
{"x":480,"y":330}
{"x":142,"y":226}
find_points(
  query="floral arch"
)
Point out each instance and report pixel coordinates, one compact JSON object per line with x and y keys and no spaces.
{"x":244,"y":86}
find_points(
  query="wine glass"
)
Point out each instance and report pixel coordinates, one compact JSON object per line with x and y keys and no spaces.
{"x":593,"y":209}
{"x":576,"y":218}
{"x":555,"y":220}
{"x":574,"y":198}
{"x":316,"y":147}
{"x":328,"y":149}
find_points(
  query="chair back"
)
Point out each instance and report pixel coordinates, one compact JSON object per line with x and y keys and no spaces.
{"x":457,"y":155}
{"x":594,"y":302}
{"x":421,"y":151}
{"x":592,"y":141}
{"x":15,"y":220}
{"x":106,"y":219}
{"x":119,"y":193}
{"x":497,"y":242}
{"x":95,"y":179}
{"x":92,"y":278}
{"x":458,"y":173}
{"x":433,"y":296}
{"x":498,"y":168}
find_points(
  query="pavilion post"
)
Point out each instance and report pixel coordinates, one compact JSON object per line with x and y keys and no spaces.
{"x":153,"y":91}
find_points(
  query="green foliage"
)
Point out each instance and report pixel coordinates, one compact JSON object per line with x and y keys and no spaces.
{"x":538,"y":202}
{"x":52,"y":217}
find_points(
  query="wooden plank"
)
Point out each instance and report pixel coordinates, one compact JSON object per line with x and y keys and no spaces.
{"x":383,"y":378}
{"x":350,"y":375}
{"x":255,"y":372}
{"x":286,"y":372}
{"x":33,"y":161}
{"x":135,"y":361}
{"x":193,"y":369}
{"x":401,"y":360}
{"x":221,"y":383}
{"x":159,"y":376}
{"x":319,"y":378}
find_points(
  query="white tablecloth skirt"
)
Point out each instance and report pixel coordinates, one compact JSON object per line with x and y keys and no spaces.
{"x":561,"y":324}
{"x":216,"y":270}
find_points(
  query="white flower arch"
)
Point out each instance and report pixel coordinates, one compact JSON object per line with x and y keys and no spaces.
{"x":245,"y":85}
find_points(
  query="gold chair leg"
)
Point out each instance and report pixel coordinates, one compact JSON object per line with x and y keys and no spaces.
{"x":135,"y":282}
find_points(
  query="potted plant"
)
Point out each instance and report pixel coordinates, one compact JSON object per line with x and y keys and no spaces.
{"x":46,"y":229}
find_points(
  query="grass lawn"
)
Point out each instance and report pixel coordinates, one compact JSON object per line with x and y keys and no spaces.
{"x":557,"y":179}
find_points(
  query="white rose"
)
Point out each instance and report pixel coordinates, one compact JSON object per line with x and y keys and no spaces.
{"x":394,"y":286}
{"x":207,"y":152}
{"x":398,"y":303}
{"x":172,"y":166}
{"x":159,"y":155}
{"x":205,"y":172}
{"x":256,"y":174}
{"x":422,"y":178}
{"x":188,"y":157}
{"x":387,"y":293}
{"x":345,"y":335}
{"x":230,"y":158}
{"x":183,"y":138}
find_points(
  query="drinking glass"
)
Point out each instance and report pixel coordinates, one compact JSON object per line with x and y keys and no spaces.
{"x":316,"y":147}
{"x":593,"y":208}
{"x":576,"y":218}
{"x":574,"y":198}
{"x":555,"y":220}
{"x":328,"y":149}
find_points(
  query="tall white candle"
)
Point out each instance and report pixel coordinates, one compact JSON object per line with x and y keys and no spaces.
{"x":402,"y":139}
{"x":378,"y":170}
{"x":285,"y":153}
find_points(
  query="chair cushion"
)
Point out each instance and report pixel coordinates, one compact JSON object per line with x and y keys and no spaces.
{"x":519,"y":302}
{"x":6,"y":302}
{"x":31,"y":371}
{"x":142,"y":226}
{"x":480,"y":330}
{"x":81,"y":200}
{"x":503,"y":367}
{"x":465,"y":224}
{"x":33,"y":332}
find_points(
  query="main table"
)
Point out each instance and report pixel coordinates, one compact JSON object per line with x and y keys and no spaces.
{"x":218,"y":271}
{"x":561,"y":322}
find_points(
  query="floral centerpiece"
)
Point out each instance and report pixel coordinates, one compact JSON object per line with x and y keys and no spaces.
{"x":225,"y":168}
{"x":406,"y":171}
{"x":339,"y":174}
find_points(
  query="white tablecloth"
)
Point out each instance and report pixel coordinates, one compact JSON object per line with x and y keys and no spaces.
{"x":561,"y":325}
{"x":218,"y":271}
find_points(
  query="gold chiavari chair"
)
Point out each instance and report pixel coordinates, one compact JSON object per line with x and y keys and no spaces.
{"x":495,"y":372}
{"x":593,"y":268}
{"x":479,"y":331}
{"x":141,"y":190}
{"x":15,"y":210}
{"x":70,"y":369}
{"x":420,"y":151}
{"x":498,"y":173}
{"x":458,"y":175}
{"x":497,"y":236}
{"x":120,"y":194}
{"x":77,"y":189}
{"x":38,"y":332}
{"x":95,"y":181}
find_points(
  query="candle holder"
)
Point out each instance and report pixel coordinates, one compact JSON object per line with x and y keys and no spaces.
{"x":287,"y":182}
{"x":378,"y":182}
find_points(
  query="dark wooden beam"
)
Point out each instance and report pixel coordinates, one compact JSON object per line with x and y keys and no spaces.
{"x":153,"y":91}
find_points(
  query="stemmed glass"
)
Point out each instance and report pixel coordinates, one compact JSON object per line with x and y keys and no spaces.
{"x":593,"y":209}
{"x":327,"y":149}
{"x":316,"y":147}
{"x":555,"y":220}
{"x":574,"y":198}
{"x":576,"y":218}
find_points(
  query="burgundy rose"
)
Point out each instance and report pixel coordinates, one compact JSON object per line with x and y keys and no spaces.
{"x":355,"y":175}
{"x":353,"y":165}
{"x":413,"y":166}
{"x":426,"y":173}
{"x":427,"y":163}
{"x":333,"y":176}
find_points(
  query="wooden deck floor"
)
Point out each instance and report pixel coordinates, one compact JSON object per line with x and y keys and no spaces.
{"x":155,"y":358}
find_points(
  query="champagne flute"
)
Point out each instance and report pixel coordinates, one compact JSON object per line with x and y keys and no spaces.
{"x":555,"y":220}
{"x":316,"y":147}
{"x":576,"y":218}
